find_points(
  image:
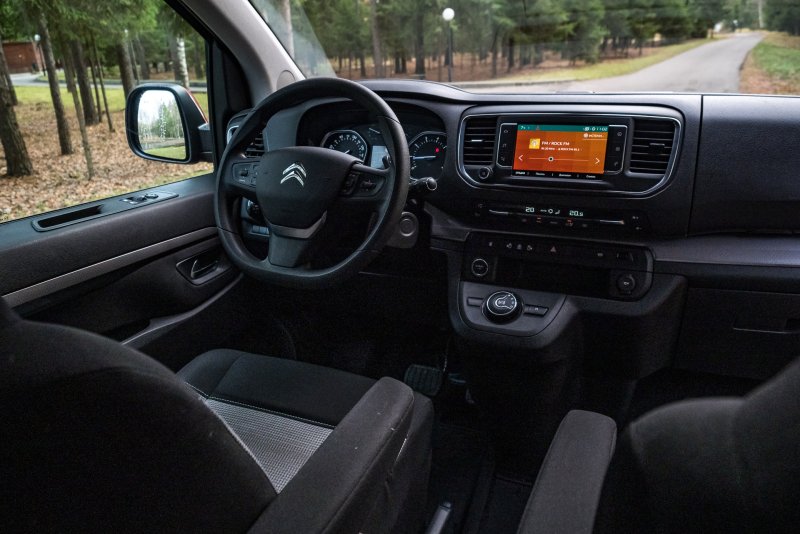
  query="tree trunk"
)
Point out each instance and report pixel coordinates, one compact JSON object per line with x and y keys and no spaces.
{"x":64,"y":138}
{"x":377,"y":55}
{"x":7,"y":74}
{"x":179,"y":66}
{"x":99,"y":104}
{"x":495,"y":52}
{"x":286,"y":14}
{"x":79,"y":64}
{"x":125,"y":69}
{"x":362,"y":64}
{"x":199,"y":55}
{"x":17,"y":161}
{"x":141,"y":58}
{"x":87,"y":150}
{"x":510,"y":53}
{"x":419,"y":42}
{"x":102,"y":84}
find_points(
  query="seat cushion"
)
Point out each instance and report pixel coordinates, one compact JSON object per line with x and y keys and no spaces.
{"x":289,"y":388}
{"x":281,"y":410}
{"x":285,"y":411}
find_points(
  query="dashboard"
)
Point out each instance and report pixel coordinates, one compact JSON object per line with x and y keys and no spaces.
{"x":637,"y":211}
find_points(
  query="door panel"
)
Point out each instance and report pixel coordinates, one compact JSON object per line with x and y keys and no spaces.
{"x":28,"y":257}
{"x":120,"y":274}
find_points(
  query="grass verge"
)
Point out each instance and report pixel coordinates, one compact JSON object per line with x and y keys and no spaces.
{"x":773,"y":66}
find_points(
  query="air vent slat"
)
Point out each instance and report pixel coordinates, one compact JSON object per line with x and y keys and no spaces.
{"x":480,"y":136}
{"x":256,"y":148}
{"x":651,"y":148}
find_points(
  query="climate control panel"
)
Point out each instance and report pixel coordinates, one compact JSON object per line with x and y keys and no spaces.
{"x":570,"y":267}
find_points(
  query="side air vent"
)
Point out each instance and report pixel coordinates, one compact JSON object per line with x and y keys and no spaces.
{"x":480,"y":134}
{"x":256,"y":148}
{"x":652,"y":146}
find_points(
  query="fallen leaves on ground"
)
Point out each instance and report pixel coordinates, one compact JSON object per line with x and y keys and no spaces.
{"x":61,"y":181}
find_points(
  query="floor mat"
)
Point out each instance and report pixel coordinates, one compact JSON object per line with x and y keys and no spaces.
{"x":504,"y":508}
{"x":458,"y":455}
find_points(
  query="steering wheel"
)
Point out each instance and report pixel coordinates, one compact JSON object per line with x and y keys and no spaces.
{"x":297,"y":186}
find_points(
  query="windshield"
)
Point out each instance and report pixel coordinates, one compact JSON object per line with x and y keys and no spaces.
{"x":708,"y":46}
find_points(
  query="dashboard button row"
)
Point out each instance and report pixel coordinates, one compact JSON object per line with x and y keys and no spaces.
{"x":541,"y":249}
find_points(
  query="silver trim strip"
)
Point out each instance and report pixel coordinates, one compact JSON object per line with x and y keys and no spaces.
{"x":83,"y":274}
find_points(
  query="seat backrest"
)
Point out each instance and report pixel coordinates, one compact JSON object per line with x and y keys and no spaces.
{"x":98,"y":437}
{"x":712,"y":465}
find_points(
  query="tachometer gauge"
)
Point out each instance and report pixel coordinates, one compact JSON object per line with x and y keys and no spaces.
{"x":427,"y":152}
{"x":347,"y":141}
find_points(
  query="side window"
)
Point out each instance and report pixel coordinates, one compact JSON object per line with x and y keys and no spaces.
{"x":64,"y":76}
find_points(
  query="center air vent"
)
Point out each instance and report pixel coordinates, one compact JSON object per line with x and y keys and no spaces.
{"x":256,"y":148}
{"x":651,"y":149}
{"x":480,"y":134}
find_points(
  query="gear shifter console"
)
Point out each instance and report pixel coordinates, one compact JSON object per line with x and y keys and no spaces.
{"x":502,"y":307}
{"x":500,"y":311}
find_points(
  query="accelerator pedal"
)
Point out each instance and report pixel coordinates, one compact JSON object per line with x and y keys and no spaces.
{"x":427,"y":380}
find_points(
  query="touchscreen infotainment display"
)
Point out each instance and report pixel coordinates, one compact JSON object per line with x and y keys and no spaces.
{"x":561,"y":148}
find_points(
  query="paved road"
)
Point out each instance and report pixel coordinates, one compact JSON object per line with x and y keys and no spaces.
{"x":32,"y":80}
{"x":710,"y":68}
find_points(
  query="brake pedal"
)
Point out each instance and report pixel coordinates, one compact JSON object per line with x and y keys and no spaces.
{"x":427,"y":380}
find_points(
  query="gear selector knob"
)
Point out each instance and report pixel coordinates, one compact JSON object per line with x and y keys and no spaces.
{"x":502,"y":307}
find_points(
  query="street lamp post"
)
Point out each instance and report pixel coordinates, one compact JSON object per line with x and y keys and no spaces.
{"x":448,"y":15}
{"x":38,"y":54}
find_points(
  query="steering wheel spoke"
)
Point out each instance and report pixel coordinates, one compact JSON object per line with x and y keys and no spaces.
{"x":288,"y":252}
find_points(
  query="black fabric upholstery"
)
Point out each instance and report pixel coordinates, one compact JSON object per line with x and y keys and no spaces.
{"x":721,"y":465}
{"x":312,"y":392}
{"x":403,"y":499}
{"x":336,"y":490}
{"x":567,"y":490}
{"x":97,"y":437}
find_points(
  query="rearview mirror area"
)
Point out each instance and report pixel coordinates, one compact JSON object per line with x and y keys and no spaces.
{"x":164,"y":123}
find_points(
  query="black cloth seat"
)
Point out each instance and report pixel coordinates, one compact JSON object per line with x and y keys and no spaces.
{"x":97,"y":437}
{"x":704,"y":465}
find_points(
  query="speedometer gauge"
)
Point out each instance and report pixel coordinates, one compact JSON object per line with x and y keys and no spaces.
{"x":427,"y":152}
{"x":347,"y":141}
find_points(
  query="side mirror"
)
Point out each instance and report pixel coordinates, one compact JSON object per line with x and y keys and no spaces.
{"x":164,"y":123}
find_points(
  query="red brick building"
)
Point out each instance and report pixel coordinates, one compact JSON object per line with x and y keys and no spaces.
{"x":22,"y":56}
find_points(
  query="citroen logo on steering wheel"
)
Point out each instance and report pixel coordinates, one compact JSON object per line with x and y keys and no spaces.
{"x":296,"y":171}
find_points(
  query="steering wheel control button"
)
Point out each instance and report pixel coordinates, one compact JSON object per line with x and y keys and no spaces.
{"x":479,"y":268}
{"x":538,"y":311}
{"x":502,"y":307}
{"x":349,"y":184}
{"x":626,"y":284}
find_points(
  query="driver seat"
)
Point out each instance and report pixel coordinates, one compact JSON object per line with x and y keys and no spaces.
{"x":99,"y":437}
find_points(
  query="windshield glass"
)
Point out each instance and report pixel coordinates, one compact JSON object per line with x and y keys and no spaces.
{"x":709,"y":46}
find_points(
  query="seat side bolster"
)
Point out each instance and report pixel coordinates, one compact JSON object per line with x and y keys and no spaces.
{"x":334,"y":490}
{"x":567,"y":490}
